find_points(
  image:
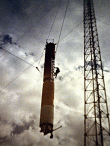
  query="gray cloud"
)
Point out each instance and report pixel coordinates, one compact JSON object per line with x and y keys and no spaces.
{"x":19,"y":129}
{"x":89,"y":63}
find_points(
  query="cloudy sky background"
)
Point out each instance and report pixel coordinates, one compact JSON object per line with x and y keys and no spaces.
{"x":28,"y":23}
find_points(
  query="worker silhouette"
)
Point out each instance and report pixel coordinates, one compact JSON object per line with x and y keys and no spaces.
{"x":56,"y":72}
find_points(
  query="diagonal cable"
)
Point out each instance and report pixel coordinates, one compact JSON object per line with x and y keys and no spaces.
{"x":18,"y":58}
{"x":70,"y":31}
{"x":62,"y":25}
{"x":21,"y":74}
{"x":54,"y":19}
{"x":36,"y":22}
{"x":14,"y":79}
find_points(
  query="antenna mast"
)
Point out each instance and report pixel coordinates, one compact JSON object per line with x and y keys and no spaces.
{"x":96,"y":116}
{"x":47,"y":104}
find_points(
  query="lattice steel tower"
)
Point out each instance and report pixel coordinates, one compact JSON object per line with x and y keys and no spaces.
{"x":96,"y":116}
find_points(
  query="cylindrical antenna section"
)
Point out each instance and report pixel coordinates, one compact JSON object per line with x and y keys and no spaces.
{"x":47,"y":104}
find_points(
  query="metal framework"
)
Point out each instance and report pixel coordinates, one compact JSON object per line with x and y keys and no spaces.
{"x":96,"y":116}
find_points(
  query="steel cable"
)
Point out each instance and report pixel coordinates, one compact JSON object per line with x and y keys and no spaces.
{"x":62,"y":25}
{"x":21,"y":74}
{"x":70,"y":31}
{"x":54,"y":20}
{"x":18,"y":57}
{"x":24,"y":60}
{"x":36,"y":22}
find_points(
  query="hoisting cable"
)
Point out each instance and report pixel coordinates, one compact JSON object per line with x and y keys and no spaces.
{"x":51,"y":27}
{"x":14,"y":79}
{"x":40,"y":57}
{"x":54,"y":19}
{"x":35,"y":22}
{"x":27,"y":32}
{"x":70,"y":31}
{"x":22,"y":59}
{"x":62,"y":25}
{"x":19,"y":58}
{"x":20,"y":74}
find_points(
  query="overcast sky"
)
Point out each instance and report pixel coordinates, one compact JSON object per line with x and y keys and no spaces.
{"x":24,"y":28}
